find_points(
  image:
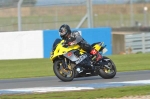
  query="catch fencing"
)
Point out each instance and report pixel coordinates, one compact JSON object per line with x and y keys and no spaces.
{"x":50,"y":14}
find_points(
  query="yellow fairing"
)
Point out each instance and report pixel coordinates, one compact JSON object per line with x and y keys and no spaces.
{"x":97,"y":47}
{"x":60,"y":50}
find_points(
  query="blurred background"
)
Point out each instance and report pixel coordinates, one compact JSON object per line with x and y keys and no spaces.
{"x":129,"y":19}
{"x":49,"y":14}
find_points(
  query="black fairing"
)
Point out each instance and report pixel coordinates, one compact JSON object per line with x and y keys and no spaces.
{"x":86,"y":62}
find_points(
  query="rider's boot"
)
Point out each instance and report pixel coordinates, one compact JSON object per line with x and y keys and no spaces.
{"x":95,"y":55}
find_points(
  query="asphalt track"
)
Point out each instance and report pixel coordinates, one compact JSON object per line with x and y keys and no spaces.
{"x":121,"y":79}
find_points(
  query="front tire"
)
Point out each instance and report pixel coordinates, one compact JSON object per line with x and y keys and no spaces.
{"x":62,"y":73}
{"x":108,"y":73}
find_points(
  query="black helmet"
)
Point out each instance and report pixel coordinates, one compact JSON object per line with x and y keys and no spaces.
{"x":64,"y":30}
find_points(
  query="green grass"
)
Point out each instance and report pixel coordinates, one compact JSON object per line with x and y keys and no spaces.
{"x":87,"y":94}
{"x":25,"y":68}
{"x":43,"y":67}
{"x":49,"y":21}
{"x":38,"y":22}
{"x":132,"y":62}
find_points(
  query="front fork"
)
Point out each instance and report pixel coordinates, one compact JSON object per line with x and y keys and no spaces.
{"x":67,"y":64}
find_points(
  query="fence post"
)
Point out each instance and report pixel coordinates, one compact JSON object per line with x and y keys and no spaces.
{"x":19,"y":15}
{"x":131,"y":13}
{"x":143,"y":42}
{"x":90,"y":13}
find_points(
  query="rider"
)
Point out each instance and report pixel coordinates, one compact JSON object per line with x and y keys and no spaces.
{"x":74,"y":37}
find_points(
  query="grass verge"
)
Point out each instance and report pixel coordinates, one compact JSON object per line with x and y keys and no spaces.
{"x":43,"y":67}
{"x":86,"y":94}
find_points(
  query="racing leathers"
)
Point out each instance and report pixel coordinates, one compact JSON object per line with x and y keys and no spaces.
{"x":76,"y":38}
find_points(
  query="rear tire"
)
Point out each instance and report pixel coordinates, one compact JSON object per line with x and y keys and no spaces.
{"x":106,"y":75}
{"x":62,"y":73}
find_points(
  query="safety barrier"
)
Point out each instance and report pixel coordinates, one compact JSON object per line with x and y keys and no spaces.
{"x":138,"y":42}
{"x":38,"y":44}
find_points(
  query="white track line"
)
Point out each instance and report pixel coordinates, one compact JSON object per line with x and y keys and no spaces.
{"x":46,"y":89}
{"x":54,"y":89}
{"x":134,"y":82}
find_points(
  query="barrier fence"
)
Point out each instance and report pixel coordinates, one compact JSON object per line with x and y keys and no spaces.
{"x":138,"y":43}
{"x":38,"y":44}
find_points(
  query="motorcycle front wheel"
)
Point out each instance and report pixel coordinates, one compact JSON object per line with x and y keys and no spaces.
{"x":108,"y":73}
{"x":62,"y":73}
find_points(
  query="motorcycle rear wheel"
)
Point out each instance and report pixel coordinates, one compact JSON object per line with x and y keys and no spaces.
{"x":62,"y":73}
{"x":108,"y":73}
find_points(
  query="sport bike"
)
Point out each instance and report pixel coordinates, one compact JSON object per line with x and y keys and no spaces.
{"x":71,"y":62}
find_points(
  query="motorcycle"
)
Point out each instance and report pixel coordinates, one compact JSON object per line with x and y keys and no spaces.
{"x":71,"y":62}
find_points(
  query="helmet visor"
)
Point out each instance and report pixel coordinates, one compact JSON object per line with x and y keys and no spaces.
{"x":62,"y":31}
